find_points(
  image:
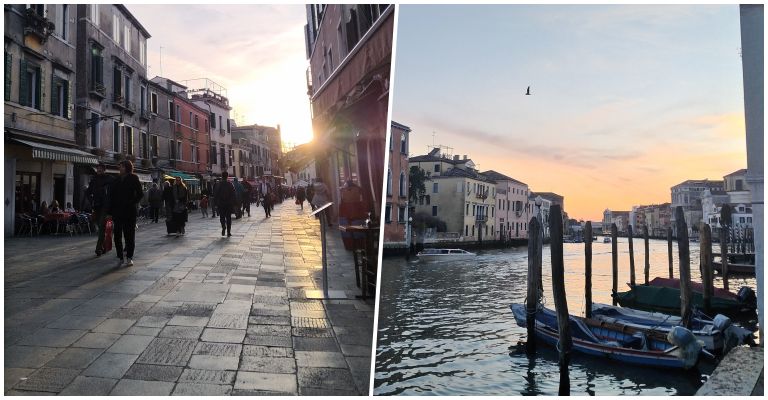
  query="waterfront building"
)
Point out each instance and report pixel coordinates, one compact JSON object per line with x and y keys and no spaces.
{"x":458,"y":195}
{"x":688,"y":196}
{"x":257,"y":150}
{"x":512,"y":210}
{"x":737,"y":195}
{"x":620,"y":218}
{"x":543,"y":208}
{"x":349,"y":47}
{"x":42,"y":159}
{"x":396,"y":210}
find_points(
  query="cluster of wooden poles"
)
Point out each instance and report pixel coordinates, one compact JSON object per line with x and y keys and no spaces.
{"x":535,"y":287}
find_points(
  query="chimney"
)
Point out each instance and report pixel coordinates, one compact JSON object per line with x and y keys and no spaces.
{"x":465,"y":156}
{"x":456,"y":158}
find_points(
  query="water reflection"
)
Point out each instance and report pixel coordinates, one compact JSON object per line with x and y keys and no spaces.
{"x":446,"y":329}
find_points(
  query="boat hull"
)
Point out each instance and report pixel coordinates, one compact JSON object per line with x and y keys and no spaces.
{"x":667,"y":300}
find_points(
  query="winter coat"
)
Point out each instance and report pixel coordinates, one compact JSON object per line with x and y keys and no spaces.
{"x":225,"y":195}
{"x":98,"y":191}
{"x":155,"y":197}
{"x":126,"y":193}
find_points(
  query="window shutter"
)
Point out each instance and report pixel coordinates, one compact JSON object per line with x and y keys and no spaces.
{"x":8,"y":74}
{"x":40,"y":87}
{"x":68,"y":95}
{"x":54,"y":96}
{"x":24,"y":99}
{"x":100,"y":70}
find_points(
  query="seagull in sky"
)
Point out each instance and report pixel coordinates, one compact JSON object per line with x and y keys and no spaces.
{"x":528,"y":92}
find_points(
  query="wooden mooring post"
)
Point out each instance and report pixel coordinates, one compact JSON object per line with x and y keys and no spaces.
{"x":588,"y":269}
{"x":724,"y":255}
{"x":630,"y":238}
{"x":534,"y":277}
{"x":685,"y":267}
{"x":565,"y":342}
{"x":705,"y":265}
{"x":647,"y":271}
{"x":669,"y":252}
{"x":615,"y":261}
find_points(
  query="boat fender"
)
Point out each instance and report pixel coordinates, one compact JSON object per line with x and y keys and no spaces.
{"x":721,"y":322}
{"x":690,"y":348}
{"x":747,"y":296}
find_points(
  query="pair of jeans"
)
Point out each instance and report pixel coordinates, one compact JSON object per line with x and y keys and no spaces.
{"x":127,"y":228}
{"x":225,"y":217}
{"x":154,"y":213}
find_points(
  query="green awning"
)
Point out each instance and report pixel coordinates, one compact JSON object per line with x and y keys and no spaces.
{"x":182,"y":175}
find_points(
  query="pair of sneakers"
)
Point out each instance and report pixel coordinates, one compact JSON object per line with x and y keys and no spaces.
{"x":121,"y":263}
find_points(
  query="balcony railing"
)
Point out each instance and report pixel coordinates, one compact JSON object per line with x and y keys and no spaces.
{"x":99,"y":89}
{"x":481,"y":219}
{"x":482,"y":195}
{"x":37,"y":25}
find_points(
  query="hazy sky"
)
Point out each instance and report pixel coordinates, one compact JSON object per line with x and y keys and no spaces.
{"x":626,"y":101}
{"x":255,"y":51}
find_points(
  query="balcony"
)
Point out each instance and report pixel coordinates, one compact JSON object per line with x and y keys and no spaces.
{"x":482,"y":196}
{"x":37,"y":25}
{"x":222,"y":132}
{"x":119,"y":101}
{"x":130,"y":106}
{"x":98,"y":90}
{"x":481,"y":219}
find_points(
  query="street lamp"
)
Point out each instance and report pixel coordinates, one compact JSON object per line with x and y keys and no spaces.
{"x":538,"y":201}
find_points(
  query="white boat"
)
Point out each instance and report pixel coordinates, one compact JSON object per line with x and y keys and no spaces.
{"x":606,"y":240}
{"x":444,"y":254}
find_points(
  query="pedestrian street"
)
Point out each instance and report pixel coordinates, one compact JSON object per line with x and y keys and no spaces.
{"x":199,"y":314}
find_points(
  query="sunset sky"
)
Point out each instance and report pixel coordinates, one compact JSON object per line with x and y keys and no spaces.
{"x":255,"y":51}
{"x":626,"y":101}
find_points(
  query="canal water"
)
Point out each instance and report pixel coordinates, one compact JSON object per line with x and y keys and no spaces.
{"x":445,"y":328}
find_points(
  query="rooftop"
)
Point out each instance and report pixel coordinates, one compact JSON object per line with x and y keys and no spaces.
{"x":497,"y":176}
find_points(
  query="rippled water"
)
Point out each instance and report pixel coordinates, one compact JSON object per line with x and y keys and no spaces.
{"x":446,"y":328}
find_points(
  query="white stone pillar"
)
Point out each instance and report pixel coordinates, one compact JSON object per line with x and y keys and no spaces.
{"x":752,"y":43}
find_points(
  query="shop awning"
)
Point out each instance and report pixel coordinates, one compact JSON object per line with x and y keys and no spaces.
{"x":58,"y":153}
{"x":144,"y":177}
{"x":185,"y":177}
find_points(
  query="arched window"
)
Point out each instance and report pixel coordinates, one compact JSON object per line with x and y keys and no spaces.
{"x":403,"y":189}
{"x":403,"y":144}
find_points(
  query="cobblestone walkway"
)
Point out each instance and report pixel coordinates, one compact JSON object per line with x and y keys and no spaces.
{"x":197,"y":315}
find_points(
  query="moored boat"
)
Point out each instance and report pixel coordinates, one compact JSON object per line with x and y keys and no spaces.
{"x":617,"y":342}
{"x":606,"y":240}
{"x":444,"y":254}
{"x":735,"y":268}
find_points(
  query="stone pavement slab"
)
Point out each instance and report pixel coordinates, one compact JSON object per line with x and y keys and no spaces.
{"x":196,"y":315}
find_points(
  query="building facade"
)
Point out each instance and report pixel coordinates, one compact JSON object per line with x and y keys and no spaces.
{"x":349,"y":47}
{"x":42,"y":161}
{"x":688,"y":196}
{"x":210,"y":96}
{"x":512,"y":210}
{"x":396,"y":210}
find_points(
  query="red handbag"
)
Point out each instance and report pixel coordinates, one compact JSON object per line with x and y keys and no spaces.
{"x":108,"y":235}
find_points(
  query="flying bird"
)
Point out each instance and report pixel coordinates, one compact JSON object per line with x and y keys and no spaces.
{"x":528,"y":91}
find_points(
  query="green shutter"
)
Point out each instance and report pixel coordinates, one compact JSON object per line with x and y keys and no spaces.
{"x":40,"y":87}
{"x":54,"y":95}
{"x":23,"y":83}
{"x":68,"y":95}
{"x":8,"y":74}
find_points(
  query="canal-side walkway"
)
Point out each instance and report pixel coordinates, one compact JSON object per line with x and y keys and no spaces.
{"x":199,"y":314}
{"x":740,"y":373}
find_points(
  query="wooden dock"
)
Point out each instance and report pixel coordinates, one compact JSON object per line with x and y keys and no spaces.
{"x":740,"y":373}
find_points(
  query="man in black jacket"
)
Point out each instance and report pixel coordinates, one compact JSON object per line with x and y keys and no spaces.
{"x":98,"y":194}
{"x":225,"y":201}
{"x":126,"y":194}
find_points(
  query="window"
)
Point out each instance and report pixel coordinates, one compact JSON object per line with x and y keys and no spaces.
{"x":401,"y":215}
{"x":473,"y":230}
{"x":116,"y":28}
{"x":437,"y":167}
{"x":196,"y":125}
{"x":213,"y":154}
{"x":60,"y":95}
{"x":427,"y":198}
{"x":144,"y":145}
{"x":8,"y":74}
{"x":61,"y":21}
{"x":402,"y":188}
{"x":94,"y":142}
{"x":95,"y":14}
{"x":29,"y":84}
{"x":229,"y":127}
{"x":389,"y":182}
{"x":388,"y":213}
{"x":466,"y":230}
{"x":142,"y":50}
{"x":170,"y":111}
{"x":129,"y":139}
{"x":155,"y":146}
{"x":178,"y":113}
{"x":179,"y":151}
{"x":190,"y":119}
{"x":467,"y":211}
{"x":171,"y":150}
{"x":127,"y":38}
{"x":434,"y":211}
{"x":403,"y":144}
{"x":143,"y":99}
{"x":213,"y":120}
{"x":434,"y":187}
{"x":115,"y":136}
{"x":153,"y":103}
{"x":220,"y":124}
{"x":127,"y":89}
{"x":117,"y":85}
{"x":473,"y":209}
{"x":194,"y":154}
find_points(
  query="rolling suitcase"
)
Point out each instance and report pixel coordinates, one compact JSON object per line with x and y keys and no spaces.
{"x":170,"y":226}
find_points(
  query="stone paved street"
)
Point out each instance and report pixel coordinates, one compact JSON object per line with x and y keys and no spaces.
{"x":197,"y":315}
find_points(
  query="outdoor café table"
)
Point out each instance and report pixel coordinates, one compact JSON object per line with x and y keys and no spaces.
{"x":57,"y":218}
{"x":370,"y":246}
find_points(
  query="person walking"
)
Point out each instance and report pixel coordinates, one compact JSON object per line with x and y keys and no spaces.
{"x":238,"y":197}
{"x":301,"y":195}
{"x":225,"y":200}
{"x":98,"y":195}
{"x":168,"y":199}
{"x":204,"y":206}
{"x":155,"y":202}
{"x":125,"y":196}
{"x":266,"y":201}
{"x":247,"y":189}
{"x":321,"y":197}
{"x":180,"y":198}
{"x":214,"y":203}
{"x":311,"y":194}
